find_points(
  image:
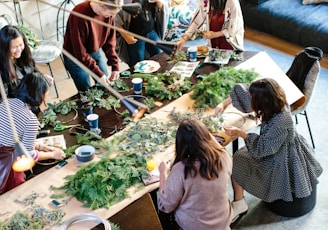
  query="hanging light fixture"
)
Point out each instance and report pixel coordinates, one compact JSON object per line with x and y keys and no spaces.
{"x":24,"y":160}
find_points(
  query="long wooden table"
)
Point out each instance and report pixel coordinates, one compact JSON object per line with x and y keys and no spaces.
{"x":55,"y":177}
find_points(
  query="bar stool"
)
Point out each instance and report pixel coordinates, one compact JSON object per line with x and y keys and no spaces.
{"x":45,"y":53}
{"x":62,"y":16}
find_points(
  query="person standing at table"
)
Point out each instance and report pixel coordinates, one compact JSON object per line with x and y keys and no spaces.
{"x":15,"y":59}
{"x":223,"y":22}
{"x":195,"y":190}
{"x":276,"y":164}
{"x":85,"y":40}
{"x":30,"y":93}
{"x":150,"y":22}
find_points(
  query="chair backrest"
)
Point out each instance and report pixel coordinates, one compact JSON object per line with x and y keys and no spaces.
{"x":5,"y":19}
{"x":302,"y":63}
{"x":304,"y":72}
{"x":309,"y":86}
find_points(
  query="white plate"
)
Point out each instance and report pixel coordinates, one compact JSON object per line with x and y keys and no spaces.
{"x":147,"y":66}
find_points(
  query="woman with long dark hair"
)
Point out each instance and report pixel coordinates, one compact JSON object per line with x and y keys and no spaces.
{"x":220,"y":22}
{"x":16,"y":59}
{"x":195,"y":190}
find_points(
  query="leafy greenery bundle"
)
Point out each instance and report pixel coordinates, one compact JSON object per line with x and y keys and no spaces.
{"x":216,"y":86}
{"x":143,"y":138}
{"x":49,"y":116}
{"x":34,"y":217}
{"x":212,"y":124}
{"x":100,"y":98}
{"x":164,"y":85}
{"x":101,"y":184}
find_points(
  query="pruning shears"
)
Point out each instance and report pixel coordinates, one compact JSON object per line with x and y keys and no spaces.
{"x":60,"y":127}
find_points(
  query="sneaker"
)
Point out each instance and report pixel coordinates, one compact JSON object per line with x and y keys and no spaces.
{"x":239,"y":208}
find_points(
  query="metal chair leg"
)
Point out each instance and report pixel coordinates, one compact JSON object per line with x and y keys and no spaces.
{"x":308,"y":124}
{"x":296,"y":120}
{"x":62,"y":58}
{"x":52,"y":75}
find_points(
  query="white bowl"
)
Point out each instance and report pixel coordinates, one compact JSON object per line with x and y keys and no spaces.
{"x":85,"y":153}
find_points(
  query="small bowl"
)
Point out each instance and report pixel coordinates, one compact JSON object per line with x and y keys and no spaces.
{"x":85,"y":153}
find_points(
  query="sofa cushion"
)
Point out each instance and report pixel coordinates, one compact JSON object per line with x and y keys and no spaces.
{"x":305,"y":2}
{"x":305,"y":25}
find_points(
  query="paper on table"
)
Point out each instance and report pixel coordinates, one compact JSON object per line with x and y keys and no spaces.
{"x":55,"y":141}
{"x":184,"y":68}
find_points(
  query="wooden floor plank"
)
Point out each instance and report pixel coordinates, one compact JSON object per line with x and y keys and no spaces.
{"x":278,"y":44}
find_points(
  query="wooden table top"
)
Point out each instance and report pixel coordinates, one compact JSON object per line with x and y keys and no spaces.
{"x":261,"y":62}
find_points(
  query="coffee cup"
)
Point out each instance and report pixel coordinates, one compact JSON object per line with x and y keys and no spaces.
{"x":93,"y":122}
{"x":192,"y":53}
{"x":137,"y":85}
{"x":86,"y":110}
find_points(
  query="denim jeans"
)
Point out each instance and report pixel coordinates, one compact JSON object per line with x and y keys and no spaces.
{"x":137,"y":51}
{"x":80,"y":77}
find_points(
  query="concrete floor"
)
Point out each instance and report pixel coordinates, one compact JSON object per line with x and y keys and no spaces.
{"x":258,"y":216}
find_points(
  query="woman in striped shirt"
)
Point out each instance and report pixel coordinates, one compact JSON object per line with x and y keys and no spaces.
{"x":30,"y":93}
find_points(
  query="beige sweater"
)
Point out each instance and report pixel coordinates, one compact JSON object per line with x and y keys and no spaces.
{"x":198,"y":203}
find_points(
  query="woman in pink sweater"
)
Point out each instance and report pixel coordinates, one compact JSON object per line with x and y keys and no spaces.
{"x":195,"y":190}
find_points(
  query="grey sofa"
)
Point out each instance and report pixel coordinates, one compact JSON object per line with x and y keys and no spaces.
{"x":305,"y":25}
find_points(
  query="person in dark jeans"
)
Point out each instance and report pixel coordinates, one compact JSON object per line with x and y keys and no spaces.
{"x":148,"y":22}
{"x":85,"y":40}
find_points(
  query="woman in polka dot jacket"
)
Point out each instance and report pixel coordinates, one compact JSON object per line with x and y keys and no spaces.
{"x":278,"y":162}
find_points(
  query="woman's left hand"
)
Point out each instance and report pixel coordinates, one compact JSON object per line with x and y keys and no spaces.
{"x":58,"y":154}
{"x":49,"y":79}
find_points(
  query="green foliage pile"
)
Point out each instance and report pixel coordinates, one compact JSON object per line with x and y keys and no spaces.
{"x":101,"y":184}
{"x":100,"y":98}
{"x":164,"y":85}
{"x":49,"y":116}
{"x":216,"y":86}
{"x":36,"y":218}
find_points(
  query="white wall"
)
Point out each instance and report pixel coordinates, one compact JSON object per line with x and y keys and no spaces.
{"x":48,"y":15}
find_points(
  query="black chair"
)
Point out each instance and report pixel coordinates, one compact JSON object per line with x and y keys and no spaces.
{"x":304,"y":72}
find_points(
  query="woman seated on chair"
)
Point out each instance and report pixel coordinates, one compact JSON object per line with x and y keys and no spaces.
{"x":195,"y":190}
{"x":15,"y":59}
{"x":277,"y":163}
{"x":30,"y":93}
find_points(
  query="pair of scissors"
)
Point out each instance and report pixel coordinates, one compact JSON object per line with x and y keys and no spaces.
{"x":60,"y":127}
